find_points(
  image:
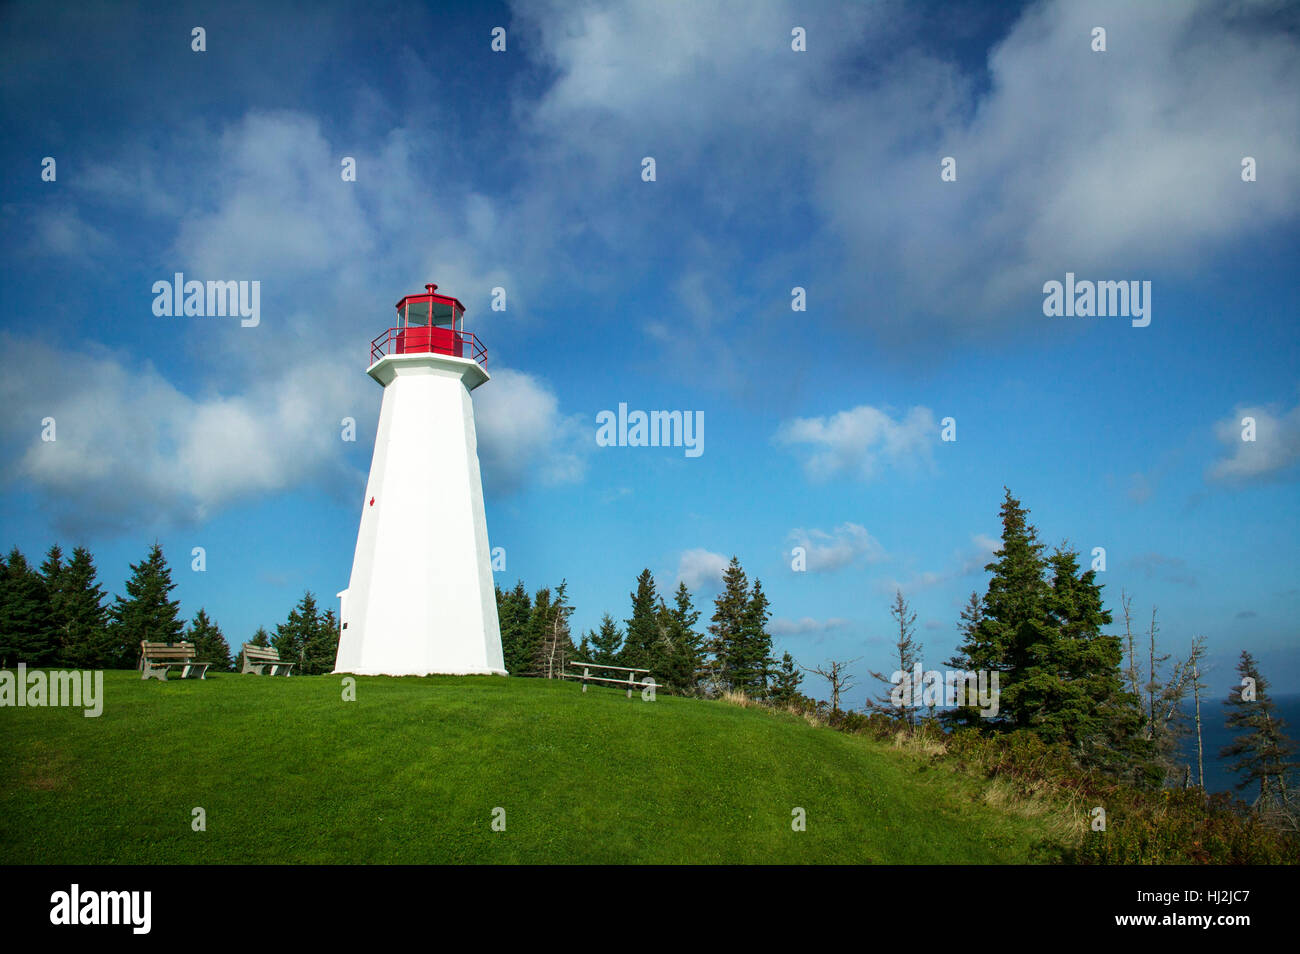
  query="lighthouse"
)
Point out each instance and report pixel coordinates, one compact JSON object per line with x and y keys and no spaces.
{"x":421,"y":598}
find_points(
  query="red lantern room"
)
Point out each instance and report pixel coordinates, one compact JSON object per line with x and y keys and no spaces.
{"x":429,"y":323}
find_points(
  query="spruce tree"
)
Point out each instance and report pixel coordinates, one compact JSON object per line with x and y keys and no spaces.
{"x":86,"y":639}
{"x":1014,"y":621}
{"x":514,"y":610}
{"x":1077,"y":686}
{"x":52,"y":572}
{"x":683,"y":641}
{"x":293,"y":637}
{"x":785,"y":685}
{"x":1261,"y":750}
{"x":210,"y":645}
{"x":752,"y":663}
{"x":27,"y":625}
{"x":641,"y":647}
{"x":321,"y":649}
{"x":607,"y":643}
{"x":529,"y":650}
{"x":145,"y":613}
{"x":727,"y":628}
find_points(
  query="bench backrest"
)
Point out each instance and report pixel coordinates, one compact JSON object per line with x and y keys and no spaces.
{"x":261,"y":653}
{"x":602,"y":666}
{"x":169,"y":652}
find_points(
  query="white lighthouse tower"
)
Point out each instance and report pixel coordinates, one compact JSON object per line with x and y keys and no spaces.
{"x":421,"y":599}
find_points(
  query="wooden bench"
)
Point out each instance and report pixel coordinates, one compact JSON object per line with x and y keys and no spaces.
{"x":158,"y":659}
{"x":629,"y":680}
{"x":257,"y":658}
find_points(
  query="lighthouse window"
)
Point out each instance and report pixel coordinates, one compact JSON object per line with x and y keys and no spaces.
{"x":441,"y":313}
{"x":417,"y":314}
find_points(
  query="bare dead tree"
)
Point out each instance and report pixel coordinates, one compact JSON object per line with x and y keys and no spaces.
{"x":1198,"y":652}
{"x":1134,"y":678}
{"x":1153,"y":679}
{"x":908,"y":655}
{"x":836,"y":673}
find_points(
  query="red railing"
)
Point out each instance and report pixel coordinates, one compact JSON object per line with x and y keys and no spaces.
{"x":435,"y":340}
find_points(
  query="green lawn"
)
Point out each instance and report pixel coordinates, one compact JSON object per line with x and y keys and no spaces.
{"x":411,"y":772}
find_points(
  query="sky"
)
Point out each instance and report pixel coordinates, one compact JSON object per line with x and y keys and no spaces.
{"x":780,"y":173}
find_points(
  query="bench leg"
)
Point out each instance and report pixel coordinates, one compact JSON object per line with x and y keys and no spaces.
{"x":149,"y":672}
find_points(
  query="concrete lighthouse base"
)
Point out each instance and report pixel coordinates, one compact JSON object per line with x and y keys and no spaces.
{"x":421,"y":599}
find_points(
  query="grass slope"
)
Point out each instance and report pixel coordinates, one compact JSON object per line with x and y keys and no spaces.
{"x":411,"y":771}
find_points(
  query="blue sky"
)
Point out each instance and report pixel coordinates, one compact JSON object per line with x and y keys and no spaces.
{"x":774,"y":169}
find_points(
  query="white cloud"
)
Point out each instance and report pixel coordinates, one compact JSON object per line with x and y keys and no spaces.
{"x":701,"y":569}
{"x":278,"y":206}
{"x":842,"y":546}
{"x":262,"y":199}
{"x":857,"y":442}
{"x":1067,"y":159}
{"x":133,"y":449}
{"x":1275,"y":449}
{"x":804,"y":626}
{"x":522,"y":434}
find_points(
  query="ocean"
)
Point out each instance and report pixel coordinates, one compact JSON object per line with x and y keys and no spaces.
{"x":1215,"y":735}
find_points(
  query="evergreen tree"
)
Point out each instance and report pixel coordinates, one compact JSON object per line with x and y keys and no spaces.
{"x":210,"y":644}
{"x":52,"y":572}
{"x":1261,"y":750}
{"x":299,"y":640}
{"x":539,"y":624}
{"x":683,"y":653}
{"x":27,"y":625}
{"x":607,"y":643}
{"x":641,"y":647}
{"x":552,"y":642}
{"x":145,"y":613}
{"x":752,"y":661}
{"x":1076,"y":687}
{"x":727,"y":628}
{"x":785,"y":685}
{"x":1014,"y":621}
{"x":85,"y":637}
{"x":514,"y":610}
{"x":322,"y":647}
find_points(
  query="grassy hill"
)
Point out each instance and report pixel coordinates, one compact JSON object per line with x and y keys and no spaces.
{"x":411,"y":771}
